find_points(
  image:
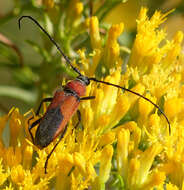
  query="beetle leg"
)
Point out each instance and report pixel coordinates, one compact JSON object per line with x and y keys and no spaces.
{"x":32,"y":126}
{"x":71,"y":170}
{"x":87,"y":98}
{"x":79,"y":118}
{"x":38,"y":110}
{"x":44,"y":100}
{"x":48,"y":156}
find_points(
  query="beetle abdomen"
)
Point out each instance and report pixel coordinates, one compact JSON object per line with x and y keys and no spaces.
{"x":48,"y":127}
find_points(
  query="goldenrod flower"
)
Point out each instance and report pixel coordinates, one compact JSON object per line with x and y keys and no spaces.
{"x":48,"y":3}
{"x":94,"y":33}
{"x":122,"y":135}
{"x":74,"y":11}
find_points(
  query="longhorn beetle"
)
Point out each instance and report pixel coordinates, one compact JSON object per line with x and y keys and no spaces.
{"x":64,"y":104}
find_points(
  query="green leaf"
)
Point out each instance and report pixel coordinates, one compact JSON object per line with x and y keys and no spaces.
{"x":9,"y":56}
{"x":40,"y":50}
{"x":18,"y":93}
{"x":25,"y":76}
{"x":118,"y":181}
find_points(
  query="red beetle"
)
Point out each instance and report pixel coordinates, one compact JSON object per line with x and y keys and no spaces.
{"x":65,"y":104}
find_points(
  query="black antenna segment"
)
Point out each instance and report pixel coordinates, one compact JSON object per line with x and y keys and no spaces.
{"x":53,"y":41}
{"x":126,"y":89}
{"x":93,"y":79}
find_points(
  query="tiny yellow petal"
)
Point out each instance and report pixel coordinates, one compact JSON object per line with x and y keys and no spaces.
{"x":173,"y":106}
{"x":105,"y":163}
{"x":146,"y":159}
{"x":63,"y":182}
{"x":49,"y":3}
{"x":178,"y":38}
{"x":3,"y":174}
{"x":156,"y":179}
{"x":65,"y":163}
{"x":135,"y":130}
{"x":145,"y":107}
{"x":13,"y":156}
{"x":91,"y":171}
{"x":27,"y":157}
{"x":15,"y":127}
{"x":170,"y":186}
{"x":115,"y":31}
{"x":139,"y":88}
{"x":94,"y":33}
{"x":122,"y":151}
{"x":78,"y":8}
{"x":17,"y":174}
{"x":133,"y":172}
{"x":111,"y":54}
{"x":107,"y":138}
{"x":80,"y":162}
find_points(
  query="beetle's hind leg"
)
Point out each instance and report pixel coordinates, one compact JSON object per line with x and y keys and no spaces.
{"x":32,"y":126}
{"x":49,"y":155}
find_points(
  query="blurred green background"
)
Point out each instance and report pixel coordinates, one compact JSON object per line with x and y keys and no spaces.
{"x":30,"y":66}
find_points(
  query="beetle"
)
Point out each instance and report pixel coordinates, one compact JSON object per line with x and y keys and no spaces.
{"x":64,"y":104}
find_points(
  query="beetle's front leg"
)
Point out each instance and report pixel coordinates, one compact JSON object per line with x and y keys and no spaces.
{"x":37,"y":113}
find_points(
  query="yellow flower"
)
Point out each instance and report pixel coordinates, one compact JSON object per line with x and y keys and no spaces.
{"x":95,"y":34}
{"x":148,"y":40}
{"x":3,"y":174}
{"x":17,"y":174}
{"x":171,"y":187}
{"x":112,"y":49}
{"x":105,"y":168}
{"x":135,"y":166}
{"x":105,"y":164}
{"x":73,"y":13}
{"x":9,"y":188}
{"x":122,"y":135}
{"x":48,"y":3}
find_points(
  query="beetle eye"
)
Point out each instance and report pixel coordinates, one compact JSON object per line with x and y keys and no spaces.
{"x":84,"y":79}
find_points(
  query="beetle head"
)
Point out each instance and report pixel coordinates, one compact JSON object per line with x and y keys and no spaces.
{"x":84,"y":79}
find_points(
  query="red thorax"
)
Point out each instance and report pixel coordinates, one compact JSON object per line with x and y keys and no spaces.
{"x":78,"y":86}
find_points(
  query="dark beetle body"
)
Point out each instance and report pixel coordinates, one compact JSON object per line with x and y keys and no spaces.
{"x":64,"y":104}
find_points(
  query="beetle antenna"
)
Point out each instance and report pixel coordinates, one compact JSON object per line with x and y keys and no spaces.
{"x":126,"y":89}
{"x":52,"y":40}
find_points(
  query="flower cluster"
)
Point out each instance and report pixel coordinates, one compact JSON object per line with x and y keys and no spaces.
{"x":124,"y":141}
